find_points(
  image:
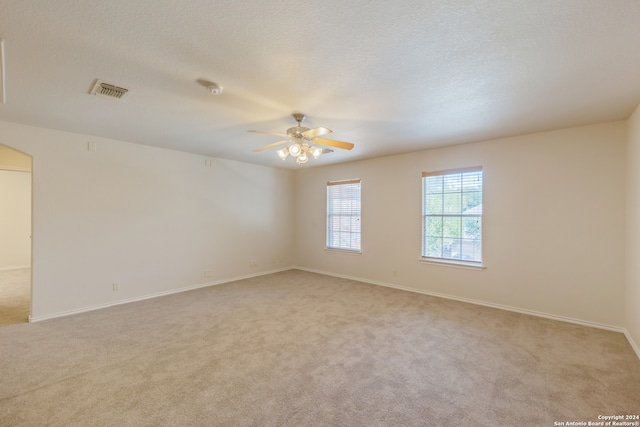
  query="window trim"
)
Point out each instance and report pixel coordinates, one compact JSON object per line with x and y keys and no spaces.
{"x":447,"y":262}
{"x":334,"y":248}
{"x":453,"y":262}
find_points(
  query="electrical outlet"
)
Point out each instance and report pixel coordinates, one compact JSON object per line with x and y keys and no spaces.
{"x":207,"y":273}
{"x":116,"y":286}
{"x":253,"y":263}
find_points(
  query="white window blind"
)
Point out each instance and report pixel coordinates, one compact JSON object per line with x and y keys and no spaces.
{"x":452,"y":215}
{"x":343,"y":215}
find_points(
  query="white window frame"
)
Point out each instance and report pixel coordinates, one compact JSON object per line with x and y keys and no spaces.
{"x":466,"y":245}
{"x":346,"y":216}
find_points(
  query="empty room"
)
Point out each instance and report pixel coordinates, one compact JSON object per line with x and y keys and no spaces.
{"x":276,"y":213}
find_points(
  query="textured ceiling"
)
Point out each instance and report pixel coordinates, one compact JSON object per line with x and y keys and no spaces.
{"x":388,"y":76}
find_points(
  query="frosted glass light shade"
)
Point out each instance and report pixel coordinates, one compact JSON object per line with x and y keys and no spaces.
{"x":302,"y":158}
{"x":315,"y":152}
{"x":295,"y":149}
{"x":283,"y":153}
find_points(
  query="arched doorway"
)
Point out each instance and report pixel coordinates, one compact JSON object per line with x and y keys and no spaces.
{"x":15,"y":236}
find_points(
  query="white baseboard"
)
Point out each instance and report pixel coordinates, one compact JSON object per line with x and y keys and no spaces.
{"x":484,"y":303}
{"x":633,"y":344}
{"x":150,"y":296}
{"x":14,"y":267}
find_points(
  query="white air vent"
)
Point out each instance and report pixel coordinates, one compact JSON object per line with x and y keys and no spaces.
{"x":109,"y":90}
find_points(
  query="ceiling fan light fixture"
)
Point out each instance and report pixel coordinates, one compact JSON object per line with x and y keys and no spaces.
{"x":302,"y":158}
{"x":316,"y":152}
{"x":295,"y":149}
{"x":283,"y":153}
{"x":302,"y":142}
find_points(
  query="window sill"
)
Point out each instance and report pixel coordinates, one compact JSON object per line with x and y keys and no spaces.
{"x":343,"y":251}
{"x":453,"y":263}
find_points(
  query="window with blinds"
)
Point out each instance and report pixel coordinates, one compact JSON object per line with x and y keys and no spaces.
{"x":343,"y":215}
{"x":452,"y":215}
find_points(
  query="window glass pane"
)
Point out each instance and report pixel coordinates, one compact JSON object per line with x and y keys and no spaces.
{"x":452,"y":183}
{"x":434,"y":204}
{"x":433,"y":226}
{"x":452,"y":203}
{"x":471,"y":227}
{"x":354,"y":225}
{"x":472,"y":203}
{"x":433,"y":246}
{"x":450,"y":247}
{"x":433,"y":184}
{"x":470,"y":250}
{"x":451,"y":227}
{"x":472,"y":181}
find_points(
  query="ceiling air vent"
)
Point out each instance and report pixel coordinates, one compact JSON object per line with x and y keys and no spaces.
{"x":109,"y":90}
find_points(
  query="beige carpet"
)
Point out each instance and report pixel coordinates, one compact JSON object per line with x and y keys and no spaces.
{"x":15,"y":296}
{"x":302,"y":349}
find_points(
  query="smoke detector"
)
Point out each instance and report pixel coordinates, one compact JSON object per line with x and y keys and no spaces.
{"x":211,"y":87}
{"x":214,"y":88}
{"x":109,"y":90}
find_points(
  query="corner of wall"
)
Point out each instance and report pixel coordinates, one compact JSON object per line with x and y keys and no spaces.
{"x":632,"y":288}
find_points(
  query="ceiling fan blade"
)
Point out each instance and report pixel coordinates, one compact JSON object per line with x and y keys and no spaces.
{"x":269,"y":133}
{"x":327,"y":150}
{"x":270,"y":145}
{"x":333,"y":143}
{"x":313,"y":133}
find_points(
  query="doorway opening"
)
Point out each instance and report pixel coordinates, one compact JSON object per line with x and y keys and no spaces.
{"x":15,"y":236}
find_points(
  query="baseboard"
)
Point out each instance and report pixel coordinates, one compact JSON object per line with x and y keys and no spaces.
{"x":482,"y":303}
{"x":150,"y":296}
{"x":15,"y":267}
{"x":633,"y":344}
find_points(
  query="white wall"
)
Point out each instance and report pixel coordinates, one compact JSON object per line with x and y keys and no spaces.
{"x":632,"y":296}
{"x":152,"y":220}
{"x":15,"y":219}
{"x":554,"y":214}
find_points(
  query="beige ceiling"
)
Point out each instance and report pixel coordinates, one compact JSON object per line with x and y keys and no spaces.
{"x":389,"y":76}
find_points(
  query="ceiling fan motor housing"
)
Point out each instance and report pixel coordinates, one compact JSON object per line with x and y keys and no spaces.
{"x":296,"y":131}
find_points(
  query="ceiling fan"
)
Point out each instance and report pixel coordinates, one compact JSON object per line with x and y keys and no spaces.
{"x":303,"y":141}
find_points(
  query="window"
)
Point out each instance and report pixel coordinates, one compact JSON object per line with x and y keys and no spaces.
{"x":452,"y":215}
{"x":343,"y":215}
